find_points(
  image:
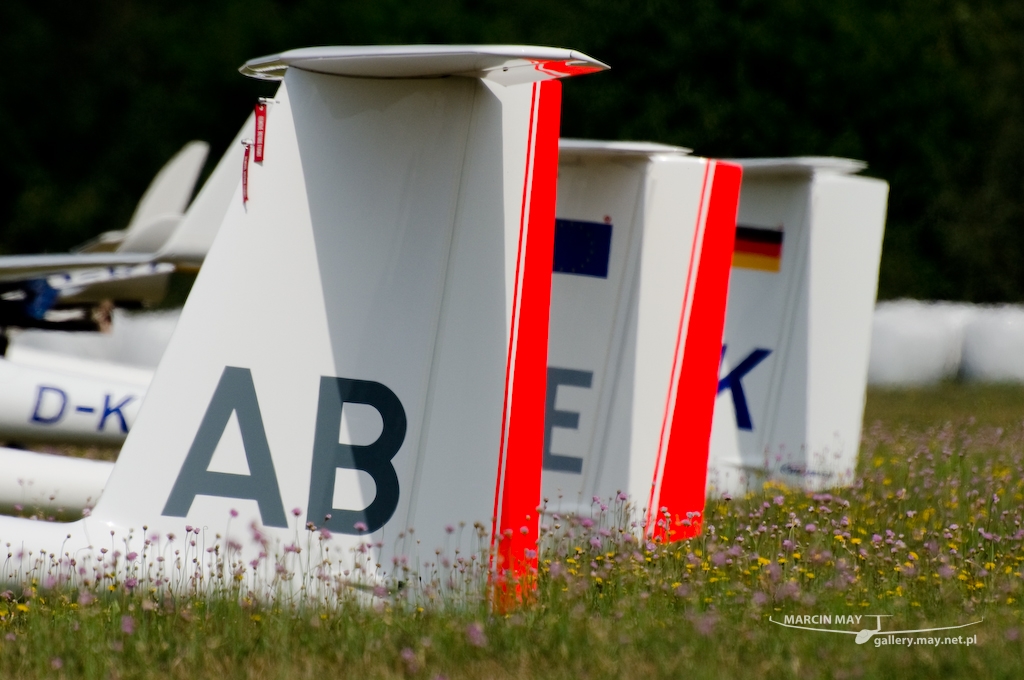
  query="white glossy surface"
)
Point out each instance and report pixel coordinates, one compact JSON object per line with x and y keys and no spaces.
{"x":806,"y":398}
{"x":43,"y":484}
{"x":623,"y":328}
{"x":384,"y":231}
{"x":642,"y":150}
{"x":52,"y":406}
{"x":30,"y":357}
{"x":800,"y":165}
{"x":168,"y":194}
{"x":505,"y":64}
{"x":134,"y":340}
{"x":187,"y":246}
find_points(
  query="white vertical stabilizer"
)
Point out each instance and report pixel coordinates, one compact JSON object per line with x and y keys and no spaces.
{"x":191,"y":241}
{"x":402,"y":227}
{"x":171,"y":189}
{"x":798,"y":330}
{"x":641,"y":271}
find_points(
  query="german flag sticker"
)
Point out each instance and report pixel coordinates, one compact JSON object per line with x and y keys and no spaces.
{"x":758,"y":248}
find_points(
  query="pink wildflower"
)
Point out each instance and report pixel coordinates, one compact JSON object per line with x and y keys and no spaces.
{"x":409,"y":657}
{"x":475,"y":635}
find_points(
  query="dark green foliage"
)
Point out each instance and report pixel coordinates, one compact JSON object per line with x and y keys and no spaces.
{"x":929,"y":93}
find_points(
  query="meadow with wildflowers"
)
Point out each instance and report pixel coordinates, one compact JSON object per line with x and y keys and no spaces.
{"x":930,"y":535}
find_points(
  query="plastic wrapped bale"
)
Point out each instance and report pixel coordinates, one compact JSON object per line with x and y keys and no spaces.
{"x":993,"y":345}
{"x":916,"y":343}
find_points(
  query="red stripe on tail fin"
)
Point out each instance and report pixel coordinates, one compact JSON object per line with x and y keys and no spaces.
{"x":520,"y":494}
{"x":686,"y":458}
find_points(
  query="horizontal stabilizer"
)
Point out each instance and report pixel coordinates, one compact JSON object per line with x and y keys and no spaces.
{"x":600,"y":149}
{"x":504,"y":64}
{"x":800,"y":165}
{"x":16,"y":267}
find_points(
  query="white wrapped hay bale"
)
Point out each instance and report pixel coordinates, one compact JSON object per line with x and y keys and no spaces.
{"x":993,"y":346}
{"x":917,"y":343}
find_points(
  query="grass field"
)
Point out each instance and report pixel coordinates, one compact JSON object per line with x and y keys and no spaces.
{"x":930,"y":535}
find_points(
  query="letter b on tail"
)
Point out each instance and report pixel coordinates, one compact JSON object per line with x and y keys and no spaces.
{"x":374,"y":459}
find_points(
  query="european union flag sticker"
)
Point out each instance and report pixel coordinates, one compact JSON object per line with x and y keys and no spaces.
{"x":582,"y":248}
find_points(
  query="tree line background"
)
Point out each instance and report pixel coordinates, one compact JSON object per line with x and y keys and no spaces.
{"x":929,"y":92}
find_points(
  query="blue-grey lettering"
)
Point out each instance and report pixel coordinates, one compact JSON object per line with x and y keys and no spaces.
{"x":49,"y":419}
{"x":569,"y":420}
{"x":733,"y":383}
{"x":109,"y":410}
{"x":374,"y":459}
{"x":235,"y":393}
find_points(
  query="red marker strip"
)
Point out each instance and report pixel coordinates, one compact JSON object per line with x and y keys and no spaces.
{"x":245,"y":171}
{"x":518,"y":486}
{"x":261,"y":130}
{"x":686,"y":452}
